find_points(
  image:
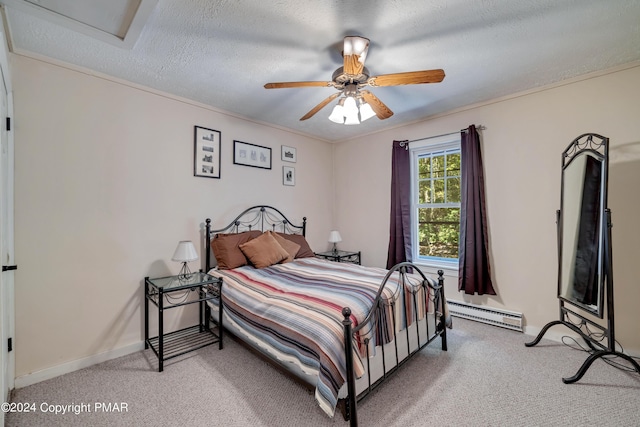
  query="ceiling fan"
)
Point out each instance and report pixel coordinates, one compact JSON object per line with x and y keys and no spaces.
{"x":352,"y":78}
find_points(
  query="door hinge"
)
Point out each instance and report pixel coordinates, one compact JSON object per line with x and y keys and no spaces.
{"x":10,"y":344}
{"x":8,"y":124}
{"x":9,"y":267}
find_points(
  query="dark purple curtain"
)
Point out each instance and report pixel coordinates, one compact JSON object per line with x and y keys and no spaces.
{"x":400,"y":230}
{"x":474,"y":272}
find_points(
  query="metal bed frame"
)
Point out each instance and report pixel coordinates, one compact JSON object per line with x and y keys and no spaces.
{"x":263,"y":217}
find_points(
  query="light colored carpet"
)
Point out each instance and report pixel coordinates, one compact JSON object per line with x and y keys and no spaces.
{"x":487,"y":378}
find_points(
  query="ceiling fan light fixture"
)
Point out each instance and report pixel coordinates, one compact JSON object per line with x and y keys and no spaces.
{"x":350,"y":106}
{"x":351,"y":118}
{"x":337,"y":114}
{"x":351,"y":111}
{"x":355,"y":45}
{"x":351,"y":78}
{"x":366,"y":112}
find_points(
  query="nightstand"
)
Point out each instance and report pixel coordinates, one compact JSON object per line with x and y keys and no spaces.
{"x":175,"y":291}
{"x":340,"y":256}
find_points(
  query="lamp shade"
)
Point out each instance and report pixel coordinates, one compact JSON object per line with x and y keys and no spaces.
{"x":335,"y":237}
{"x":355,"y":45}
{"x":350,"y":106}
{"x":337,"y":115}
{"x":350,"y":111}
{"x":185,"y":252}
{"x":366,"y":112}
{"x":351,"y":119}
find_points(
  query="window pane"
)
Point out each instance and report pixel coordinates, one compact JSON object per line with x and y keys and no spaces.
{"x":453,"y":164}
{"x":438,"y":230}
{"x":424,"y":167}
{"x":438,"y":191}
{"x":453,"y":190}
{"x":423,"y":215}
{"x":438,"y":166}
{"x":424,"y":195}
{"x":436,"y":177}
{"x":426,"y":233}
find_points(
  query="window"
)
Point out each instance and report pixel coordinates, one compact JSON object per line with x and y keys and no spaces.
{"x":435,"y":201}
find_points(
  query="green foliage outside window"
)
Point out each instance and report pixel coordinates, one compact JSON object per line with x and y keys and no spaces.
{"x":439,"y":204}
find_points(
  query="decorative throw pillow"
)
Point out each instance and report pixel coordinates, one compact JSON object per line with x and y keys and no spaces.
{"x":292,"y":248}
{"x":304,"y":251}
{"x":264,"y":251}
{"x":227,"y":251}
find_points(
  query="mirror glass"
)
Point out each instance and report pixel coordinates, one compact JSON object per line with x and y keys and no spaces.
{"x":581,"y":279}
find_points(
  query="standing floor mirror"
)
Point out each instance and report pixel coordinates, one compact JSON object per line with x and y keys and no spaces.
{"x":585,"y":277}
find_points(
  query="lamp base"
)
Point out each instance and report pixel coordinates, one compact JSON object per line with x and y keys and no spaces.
{"x":185,"y":273}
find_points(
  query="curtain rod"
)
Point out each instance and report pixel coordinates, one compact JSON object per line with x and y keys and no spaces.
{"x":403,"y":143}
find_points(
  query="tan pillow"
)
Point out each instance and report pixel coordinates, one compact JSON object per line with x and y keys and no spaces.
{"x":264,"y":251}
{"x":304,"y":251}
{"x":226,"y":249}
{"x":292,"y":248}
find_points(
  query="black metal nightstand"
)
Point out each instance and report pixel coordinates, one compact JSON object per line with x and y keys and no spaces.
{"x":174,"y":291}
{"x":340,"y":256}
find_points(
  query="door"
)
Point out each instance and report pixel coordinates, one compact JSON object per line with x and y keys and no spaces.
{"x":7,"y":358}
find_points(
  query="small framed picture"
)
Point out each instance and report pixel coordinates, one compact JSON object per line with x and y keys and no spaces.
{"x":288,"y":175}
{"x":252,"y":155}
{"x":206,"y":161}
{"x":288,"y":154}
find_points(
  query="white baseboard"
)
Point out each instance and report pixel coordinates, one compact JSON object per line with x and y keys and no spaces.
{"x":74,"y":365}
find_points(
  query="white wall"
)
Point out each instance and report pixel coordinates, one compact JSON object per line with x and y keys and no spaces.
{"x":104,"y":191}
{"x":624,"y":199}
{"x":522,"y":145}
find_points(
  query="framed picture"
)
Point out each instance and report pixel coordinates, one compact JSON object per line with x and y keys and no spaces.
{"x":288,"y":175}
{"x":288,"y":154}
{"x":206,"y":161}
{"x":251,"y":155}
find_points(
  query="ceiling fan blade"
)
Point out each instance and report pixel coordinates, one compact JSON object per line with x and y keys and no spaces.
{"x":297,"y":84}
{"x":354,"y":54}
{"x":410,"y":78}
{"x":320,"y":106}
{"x":381,"y":110}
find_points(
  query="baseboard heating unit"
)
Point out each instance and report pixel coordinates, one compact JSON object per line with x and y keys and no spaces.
{"x":492,"y":316}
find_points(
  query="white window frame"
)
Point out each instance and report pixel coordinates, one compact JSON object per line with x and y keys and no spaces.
{"x":416,"y":149}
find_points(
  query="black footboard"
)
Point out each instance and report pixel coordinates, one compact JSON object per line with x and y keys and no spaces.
{"x":410,"y":295}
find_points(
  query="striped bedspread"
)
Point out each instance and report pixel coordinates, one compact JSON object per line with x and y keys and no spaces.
{"x":294,"y":310}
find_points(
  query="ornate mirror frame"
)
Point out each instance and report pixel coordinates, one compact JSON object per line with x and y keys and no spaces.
{"x":582,"y":223}
{"x":585,"y":273}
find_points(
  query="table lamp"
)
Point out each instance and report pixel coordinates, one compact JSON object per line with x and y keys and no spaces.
{"x":334,"y":237}
{"x":185,"y":252}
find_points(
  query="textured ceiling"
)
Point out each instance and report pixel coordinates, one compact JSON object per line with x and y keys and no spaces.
{"x":221,"y":53}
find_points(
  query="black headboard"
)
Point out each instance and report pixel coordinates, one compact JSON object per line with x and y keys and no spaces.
{"x":260,"y":217}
